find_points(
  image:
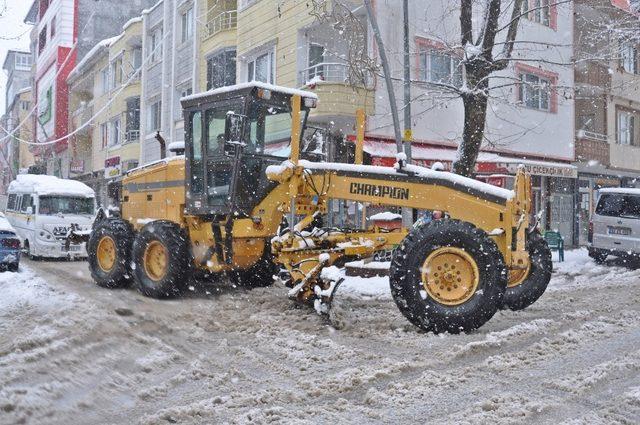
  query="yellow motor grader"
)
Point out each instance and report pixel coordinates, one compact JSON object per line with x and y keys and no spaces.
{"x":248,"y":198}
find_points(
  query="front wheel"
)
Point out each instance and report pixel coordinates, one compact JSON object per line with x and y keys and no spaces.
{"x":527,"y":285}
{"x":448,"y":276}
{"x":161,"y":259}
{"x":109,"y":253}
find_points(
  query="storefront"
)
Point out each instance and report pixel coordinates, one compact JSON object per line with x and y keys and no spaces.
{"x":553,"y":183}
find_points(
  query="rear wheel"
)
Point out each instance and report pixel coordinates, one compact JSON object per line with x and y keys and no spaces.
{"x":448,"y":276}
{"x":598,"y":255}
{"x":109,"y":251}
{"x":162,"y":259}
{"x":13,"y":267}
{"x":27,"y":250}
{"x":526,"y":286}
{"x":257,"y":276}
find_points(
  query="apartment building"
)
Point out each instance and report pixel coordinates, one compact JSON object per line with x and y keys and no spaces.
{"x":64,"y":31}
{"x":105,"y":89}
{"x":169,"y":46}
{"x":607,"y":90}
{"x":15,"y":155}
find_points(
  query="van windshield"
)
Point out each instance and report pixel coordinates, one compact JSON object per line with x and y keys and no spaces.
{"x":51,"y":205}
{"x":619,"y":205}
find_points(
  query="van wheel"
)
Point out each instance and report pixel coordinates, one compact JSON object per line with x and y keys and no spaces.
{"x":162,"y":259}
{"x":27,"y":248}
{"x":526,"y":286}
{"x":448,"y":276}
{"x":109,"y":249}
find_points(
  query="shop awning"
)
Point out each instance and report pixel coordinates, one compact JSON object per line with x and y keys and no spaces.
{"x":384,"y":153}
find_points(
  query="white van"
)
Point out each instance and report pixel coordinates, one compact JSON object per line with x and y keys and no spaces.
{"x":43,"y":208}
{"x":615,"y":224}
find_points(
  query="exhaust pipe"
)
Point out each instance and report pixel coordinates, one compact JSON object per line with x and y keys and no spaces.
{"x":163,"y":145}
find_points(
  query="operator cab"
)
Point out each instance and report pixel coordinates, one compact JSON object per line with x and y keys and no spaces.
{"x":232,"y":135}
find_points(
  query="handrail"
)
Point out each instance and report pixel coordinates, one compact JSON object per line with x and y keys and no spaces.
{"x":327,"y":71}
{"x":224,"y":21}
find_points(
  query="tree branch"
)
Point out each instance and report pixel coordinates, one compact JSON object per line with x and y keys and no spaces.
{"x":466,"y":28}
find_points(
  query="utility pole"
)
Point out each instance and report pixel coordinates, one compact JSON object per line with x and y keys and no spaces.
{"x":407,"y":213}
{"x":387,"y":77}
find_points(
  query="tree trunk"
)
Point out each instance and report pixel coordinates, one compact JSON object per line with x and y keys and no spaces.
{"x":475,"y":114}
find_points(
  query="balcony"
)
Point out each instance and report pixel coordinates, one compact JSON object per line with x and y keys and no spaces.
{"x":224,"y":21}
{"x":329,"y":72}
{"x":132,"y":136}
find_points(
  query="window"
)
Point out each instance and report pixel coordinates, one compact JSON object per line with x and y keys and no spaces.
{"x":52,"y":205}
{"x":104,"y":134}
{"x":626,"y":123}
{"x":316,"y":58}
{"x":26,"y":203}
{"x":439,"y":67}
{"x":538,"y":11}
{"x":115,"y":72}
{"x":11,"y":202}
{"x":619,"y":205}
{"x":104,"y":80}
{"x":114,"y":132}
{"x":154,"y":117}
{"x":155,"y":43}
{"x":42,"y":40}
{"x":137,"y":58}
{"x":187,"y":25}
{"x":25,"y":104}
{"x":221,"y":70}
{"x":262,"y":68}
{"x":18,"y":203}
{"x":53,"y":27}
{"x":534,"y":91}
{"x":133,"y":120}
{"x":628,"y":54}
{"x":195,"y":136}
{"x":23,"y":62}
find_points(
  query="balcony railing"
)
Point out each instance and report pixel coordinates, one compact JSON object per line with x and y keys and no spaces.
{"x":591,"y":135}
{"x":329,"y":72}
{"x":224,"y":21}
{"x":132,"y":136}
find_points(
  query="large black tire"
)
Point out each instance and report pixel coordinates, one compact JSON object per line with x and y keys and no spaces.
{"x":121,"y":233}
{"x":526,"y":293}
{"x":423,"y":310}
{"x":176,"y":256}
{"x":598,"y":255}
{"x":259,"y":275}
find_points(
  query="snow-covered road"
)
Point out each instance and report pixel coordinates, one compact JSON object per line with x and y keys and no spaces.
{"x":71,"y":352}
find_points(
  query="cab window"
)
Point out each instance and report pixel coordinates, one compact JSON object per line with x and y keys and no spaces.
{"x":197,"y":170}
{"x":216,"y":119}
{"x":269,"y":130}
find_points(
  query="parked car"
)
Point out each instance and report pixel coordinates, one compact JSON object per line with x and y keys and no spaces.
{"x":42,"y":209}
{"x":9,"y":246}
{"x":614,"y":228}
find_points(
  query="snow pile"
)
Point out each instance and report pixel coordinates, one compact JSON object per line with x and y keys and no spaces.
{"x":251,"y":84}
{"x":385,"y":216}
{"x":5,"y":226}
{"x":49,"y":185}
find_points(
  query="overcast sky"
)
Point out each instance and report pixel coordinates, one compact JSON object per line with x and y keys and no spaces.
{"x":14,"y":35}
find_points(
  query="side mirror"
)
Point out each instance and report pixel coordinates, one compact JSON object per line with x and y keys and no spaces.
{"x":233,"y":131}
{"x":29,"y":210}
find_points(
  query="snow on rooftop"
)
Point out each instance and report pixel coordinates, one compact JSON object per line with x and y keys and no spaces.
{"x":174,"y":146}
{"x":49,"y":185}
{"x":92,"y":54}
{"x":159,"y":161}
{"x":622,"y":190}
{"x":251,"y":84}
{"x":131,"y":22}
